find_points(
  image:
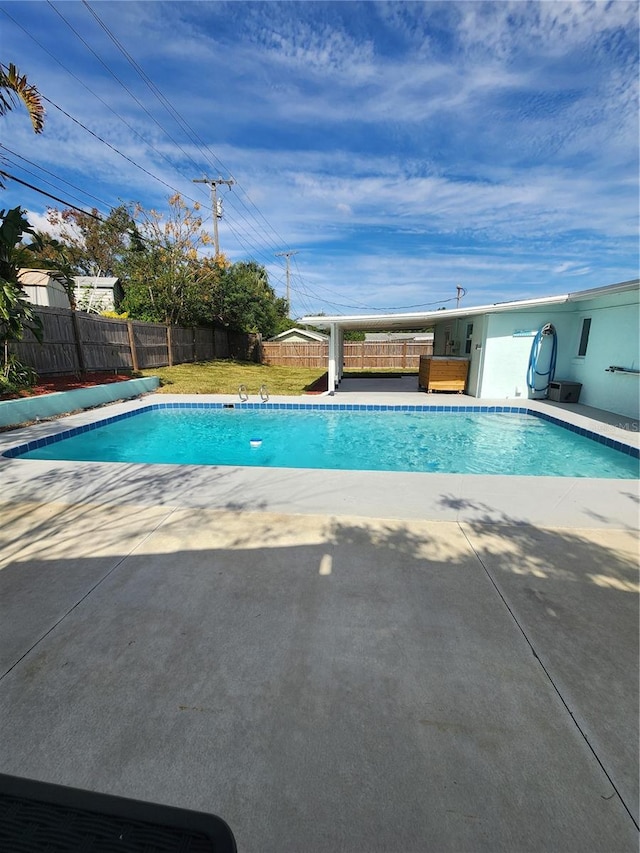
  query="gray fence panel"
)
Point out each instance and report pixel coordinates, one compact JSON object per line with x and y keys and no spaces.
{"x":204,"y":344}
{"x":57,"y":353}
{"x":182,"y":345}
{"x":104,"y":342}
{"x":151,"y":344}
{"x":221,"y":343}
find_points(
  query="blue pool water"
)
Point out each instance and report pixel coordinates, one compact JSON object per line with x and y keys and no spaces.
{"x":455,"y":442}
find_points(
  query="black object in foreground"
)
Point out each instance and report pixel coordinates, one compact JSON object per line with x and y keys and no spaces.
{"x":38,"y":816}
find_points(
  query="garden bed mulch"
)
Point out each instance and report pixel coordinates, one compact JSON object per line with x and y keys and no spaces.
{"x":51,"y":384}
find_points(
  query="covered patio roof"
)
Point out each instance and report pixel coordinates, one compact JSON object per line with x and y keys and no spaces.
{"x":361,"y":322}
{"x":337,"y":324}
{"x":340,"y":323}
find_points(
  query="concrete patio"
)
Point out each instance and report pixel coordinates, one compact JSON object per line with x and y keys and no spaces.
{"x":458,"y":672}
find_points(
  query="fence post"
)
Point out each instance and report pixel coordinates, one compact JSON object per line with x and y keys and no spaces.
{"x":195,"y":349}
{"x":404,"y":355}
{"x":362,"y":355}
{"x":132,"y":346}
{"x":169,"y":352}
{"x":78,"y":342}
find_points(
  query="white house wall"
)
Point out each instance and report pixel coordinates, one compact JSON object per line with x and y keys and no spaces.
{"x":613,"y":340}
{"x":508,"y":348}
{"x":477,"y":353}
{"x":501,"y":349}
{"x":450,"y":337}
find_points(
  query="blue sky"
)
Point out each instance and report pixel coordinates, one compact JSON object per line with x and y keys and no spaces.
{"x":401,"y":148}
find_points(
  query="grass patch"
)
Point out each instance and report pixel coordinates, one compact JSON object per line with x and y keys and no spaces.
{"x":225,"y":377}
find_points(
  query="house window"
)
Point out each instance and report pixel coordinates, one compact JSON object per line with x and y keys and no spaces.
{"x":584,"y":336}
{"x":467,"y":344}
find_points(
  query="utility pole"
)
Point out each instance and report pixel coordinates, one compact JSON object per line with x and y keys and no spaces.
{"x":215,"y":204}
{"x":460,"y":292}
{"x":287,"y":255}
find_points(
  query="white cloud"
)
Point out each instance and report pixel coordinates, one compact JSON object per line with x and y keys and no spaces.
{"x":505,"y":152}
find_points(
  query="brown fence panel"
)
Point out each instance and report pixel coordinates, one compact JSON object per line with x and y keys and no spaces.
{"x":384,"y":355}
{"x":104,"y":342}
{"x":182,"y":345}
{"x":204,"y":344}
{"x":151,"y":344}
{"x":57,"y":353}
{"x":415,"y":350}
{"x":358,"y":355}
{"x":295,"y":354}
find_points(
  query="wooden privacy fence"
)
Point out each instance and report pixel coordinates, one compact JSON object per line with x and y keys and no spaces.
{"x":74,"y":342}
{"x":358,"y":355}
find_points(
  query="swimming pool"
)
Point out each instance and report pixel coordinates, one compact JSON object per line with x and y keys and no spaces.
{"x":464,"y":440}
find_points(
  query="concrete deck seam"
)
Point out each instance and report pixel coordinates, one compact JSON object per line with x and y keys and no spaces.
{"x":548,"y":675}
{"x":88,"y":593}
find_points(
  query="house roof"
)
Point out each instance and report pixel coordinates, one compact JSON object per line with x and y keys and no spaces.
{"x":417,"y":320}
{"x":307,"y":333}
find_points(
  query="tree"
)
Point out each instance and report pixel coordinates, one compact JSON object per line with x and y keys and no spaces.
{"x":16,"y":313}
{"x":164,"y":278}
{"x":14,"y":89}
{"x":168,"y":277}
{"x":92,"y":245}
{"x":246,"y":301}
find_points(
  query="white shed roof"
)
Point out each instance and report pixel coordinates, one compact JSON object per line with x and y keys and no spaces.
{"x":99,"y":281}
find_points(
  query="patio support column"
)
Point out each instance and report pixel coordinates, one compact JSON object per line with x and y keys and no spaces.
{"x":332,"y":371}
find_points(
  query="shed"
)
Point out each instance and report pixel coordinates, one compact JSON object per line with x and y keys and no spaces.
{"x":42,"y":288}
{"x":98,"y":293}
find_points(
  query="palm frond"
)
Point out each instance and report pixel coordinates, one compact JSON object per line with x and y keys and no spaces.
{"x":14,"y":85}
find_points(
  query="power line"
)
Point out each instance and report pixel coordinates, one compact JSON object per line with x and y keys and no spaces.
{"x":55,"y":198}
{"x":216,"y":204}
{"x":123,"y":85}
{"x":53,"y":175}
{"x":105,"y":104}
{"x":113,"y":148}
{"x":287,"y":255}
{"x":253,"y":227}
{"x":135,"y":132}
{"x":192,"y":134}
{"x":35,"y":175}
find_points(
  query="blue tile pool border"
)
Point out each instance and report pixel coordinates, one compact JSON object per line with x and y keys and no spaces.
{"x":21,"y":449}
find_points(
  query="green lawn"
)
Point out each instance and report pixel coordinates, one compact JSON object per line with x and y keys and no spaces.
{"x":225,"y":377}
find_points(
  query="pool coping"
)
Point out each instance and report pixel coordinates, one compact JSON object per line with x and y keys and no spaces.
{"x":547,"y":501}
